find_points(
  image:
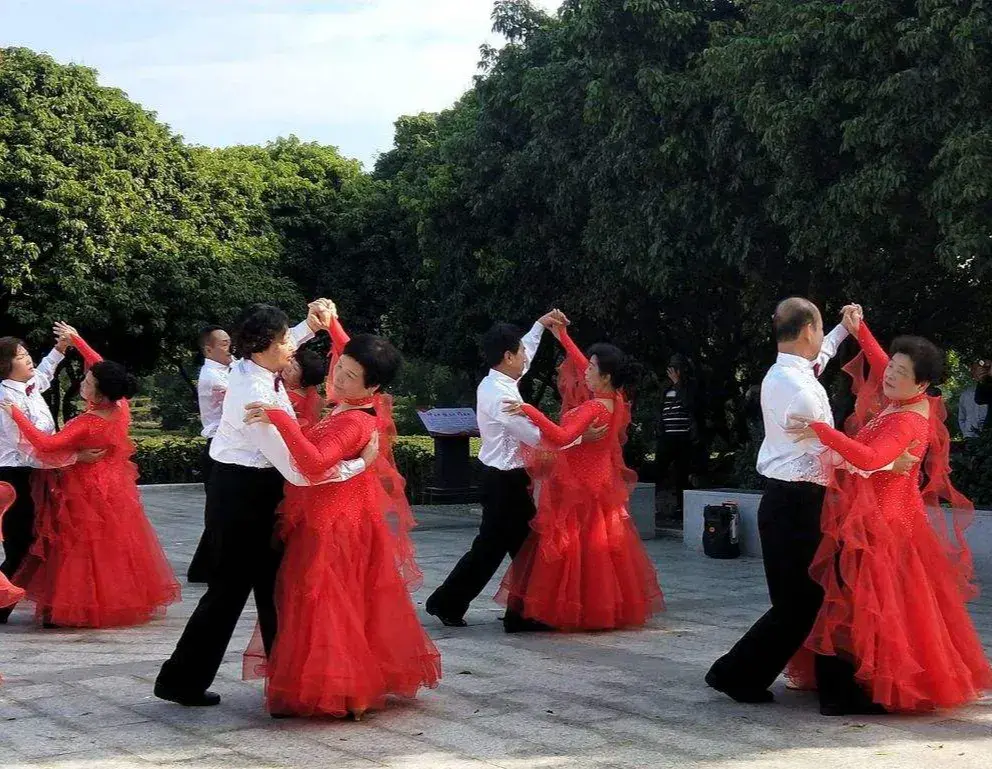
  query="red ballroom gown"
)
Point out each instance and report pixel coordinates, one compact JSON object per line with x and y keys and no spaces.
{"x":893,"y":562}
{"x":96,"y":560}
{"x":583,"y":567}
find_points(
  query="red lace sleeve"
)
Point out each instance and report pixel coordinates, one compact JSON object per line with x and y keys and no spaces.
{"x":575,"y":355}
{"x":883,"y":449}
{"x":315,"y":462}
{"x":70,"y":438}
{"x":339,"y":337}
{"x":877,"y":358}
{"x":90,"y":356}
{"x":563,"y":435}
{"x":572,"y":375}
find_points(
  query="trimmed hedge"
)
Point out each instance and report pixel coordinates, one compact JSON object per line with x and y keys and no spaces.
{"x":176,"y":459}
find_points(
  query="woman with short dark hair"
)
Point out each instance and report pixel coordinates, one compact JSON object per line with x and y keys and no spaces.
{"x":304,"y":374}
{"x":348,"y":635}
{"x":896,"y":578}
{"x":96,"y":561}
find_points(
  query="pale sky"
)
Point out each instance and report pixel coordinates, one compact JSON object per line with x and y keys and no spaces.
{"x":226,"y":72}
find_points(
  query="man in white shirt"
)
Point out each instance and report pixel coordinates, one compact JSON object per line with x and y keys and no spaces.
{"x":507,"y":507}
{"x":789,"y":514}
{"x":971,"y":414}
{"x":23,"y":385}
{"x":211,"y":386}
{"x":245,"y":488}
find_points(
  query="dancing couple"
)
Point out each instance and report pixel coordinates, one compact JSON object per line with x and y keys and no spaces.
{"x":337,"y":630}
{"x":868,"y":581}
{"x":77,"y":542}
{"x":577,"y":560}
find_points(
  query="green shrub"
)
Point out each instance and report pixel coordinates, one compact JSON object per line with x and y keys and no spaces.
{"x":971,"y":464}
{"x":169,"y":459}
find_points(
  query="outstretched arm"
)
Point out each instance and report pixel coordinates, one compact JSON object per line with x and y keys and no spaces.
{"x":45,"y":373}
{"x":316,"y":462}
{"x":90,"y":356}
{"x":71,"y":438}
{"x":339,"y":337}
{"x":875,"y":454}
{"x":878,"y":359}
{"x":559,"y":435}
{"x":831,"y":343}
{"x":575,"y":355}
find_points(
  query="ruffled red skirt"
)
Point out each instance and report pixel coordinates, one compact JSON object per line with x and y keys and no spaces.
{"x":895,"y":605}
{"x":349,"y":635}
{"x":96,"y":560}
{"x":583,"y":567}
{"x":9,"y":594}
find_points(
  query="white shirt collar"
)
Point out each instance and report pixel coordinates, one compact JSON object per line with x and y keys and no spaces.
{"x":253,"y":369}
{"x":210,"y":363}
{"x":21,"y":387}
{"x":499,"y":376}
{"x":794,"y":361}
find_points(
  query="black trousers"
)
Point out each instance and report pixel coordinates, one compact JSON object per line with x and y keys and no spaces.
{"x":241,"y":557}
{"x":18,"y":523}
{"x":673,"y":463}
{"x":197,"y":571}
{"x":789,"y":526}
{"x":507,"y":509}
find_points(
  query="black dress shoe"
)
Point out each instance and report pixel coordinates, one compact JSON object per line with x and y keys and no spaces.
{"x":50,"y":626}
{"x":852,"y":709}
{"x":514,"y":623}
{"x":739,"y":694}
{"x":188,"y":699}
{"x":448,"y":620}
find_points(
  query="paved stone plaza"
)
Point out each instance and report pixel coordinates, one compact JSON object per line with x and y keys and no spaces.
{"x":630,"y":699}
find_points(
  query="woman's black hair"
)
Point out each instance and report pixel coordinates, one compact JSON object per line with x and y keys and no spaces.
{"x":114,"y":381}
{"x":928,"y":359}
{"x":313,"y":366}
{"x":380,"y":361}
{"x":611,"y":360}
{"x":257,"y":328}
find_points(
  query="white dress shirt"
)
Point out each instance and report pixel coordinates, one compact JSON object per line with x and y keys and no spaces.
{"x":211,"y":385}
{"x":260,"y":445}
{"x":971,"y":416}
{"x":503,"y":433}
{"x":791,"y":389}
{"x":33,"y":405}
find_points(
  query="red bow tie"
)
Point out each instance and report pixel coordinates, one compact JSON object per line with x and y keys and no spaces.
{"x":816,"y":370}
{"x":278,"y":382}
{"x":29,"y":389}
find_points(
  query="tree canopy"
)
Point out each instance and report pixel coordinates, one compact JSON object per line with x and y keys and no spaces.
{"x":664,"y":171}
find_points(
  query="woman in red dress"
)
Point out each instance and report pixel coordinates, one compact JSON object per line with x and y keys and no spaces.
{"x":305,"y":372}
{"x":349,"y":635}
{"x":96,"y":561}
{"x":583,"y":567}
{"x":896,"y":576}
